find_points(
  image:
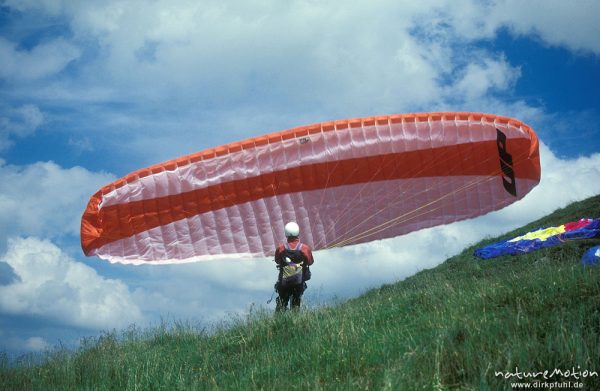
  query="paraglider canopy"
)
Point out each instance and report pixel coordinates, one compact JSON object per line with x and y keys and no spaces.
{"x":343,"y":182}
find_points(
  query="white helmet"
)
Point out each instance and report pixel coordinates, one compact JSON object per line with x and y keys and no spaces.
{"x":292,"y":229}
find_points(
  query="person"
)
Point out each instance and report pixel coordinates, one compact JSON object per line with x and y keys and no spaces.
{"x":293,"y":259}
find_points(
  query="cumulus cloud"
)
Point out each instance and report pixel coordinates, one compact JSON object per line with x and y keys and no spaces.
{"x":558,"y":23}
{"x":26,"y":119}
{"x":44,"y":199}
{"x":329,"y":60}
{"x":44,"y":60}
{"x":479,"y":79}
{"x":52,"y":285}
{"x":232,"y":53}
{"x":15,"y":343}
{"x":18,"y":122}
{"x":205,"y":292}
{"x":554,"y":22}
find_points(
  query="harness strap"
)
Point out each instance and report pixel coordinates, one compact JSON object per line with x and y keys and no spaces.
{"x":297,"y":251}
{"x":298,"y":247}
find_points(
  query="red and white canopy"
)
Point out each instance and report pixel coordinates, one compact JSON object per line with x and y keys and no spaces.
{"x":343,"y":182}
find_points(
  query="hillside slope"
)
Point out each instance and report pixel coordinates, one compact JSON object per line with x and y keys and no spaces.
{"x":455,"y":326}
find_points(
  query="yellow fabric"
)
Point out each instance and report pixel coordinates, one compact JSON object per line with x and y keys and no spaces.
{"x":291,"y":270}
{"x":541,"y":234}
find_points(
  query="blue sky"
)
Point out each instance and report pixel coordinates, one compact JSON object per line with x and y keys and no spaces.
{"x":90,"y":92}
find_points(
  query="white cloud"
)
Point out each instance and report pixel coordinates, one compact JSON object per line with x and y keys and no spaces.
{"x":44,"y":60}
{"x":52,"y":285}
{"x":573,"y":25}
{"x":219,"y":51}
{"x":206,"y":292}
{"x":563,"y":181}
{"x":12,"y":342}
{"x":30,"y":117}
{"x":479,"y":78}
{"x":44,"y":199}
{"x":314,"y":55}
{"x":36,"y":344}
{"x":19,"y":122}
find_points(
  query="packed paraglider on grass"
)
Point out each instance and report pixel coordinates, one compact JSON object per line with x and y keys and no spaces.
{"x":542,"y":238}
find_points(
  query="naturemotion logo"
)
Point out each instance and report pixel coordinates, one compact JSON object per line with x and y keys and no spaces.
{"x":569,"y":378}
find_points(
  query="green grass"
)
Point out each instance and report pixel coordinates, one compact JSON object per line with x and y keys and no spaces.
{"x":451,"y":327}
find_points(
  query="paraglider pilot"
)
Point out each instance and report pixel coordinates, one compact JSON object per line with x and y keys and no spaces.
{"x":293,"y":259}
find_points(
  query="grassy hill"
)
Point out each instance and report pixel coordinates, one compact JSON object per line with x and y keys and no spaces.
{"x":451,"y":327}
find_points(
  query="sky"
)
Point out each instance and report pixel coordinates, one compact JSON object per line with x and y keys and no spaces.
{"x":90,"y":91}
